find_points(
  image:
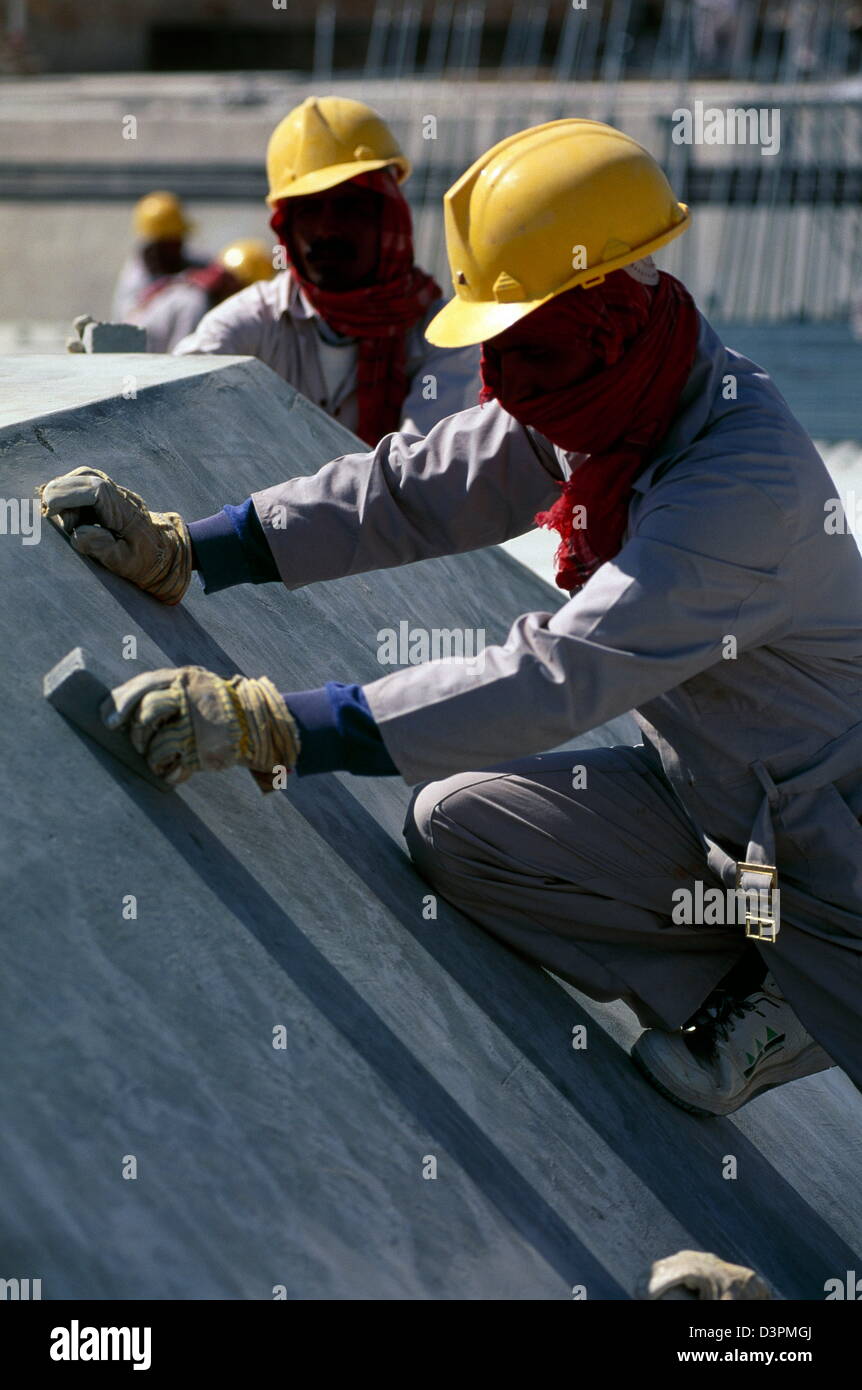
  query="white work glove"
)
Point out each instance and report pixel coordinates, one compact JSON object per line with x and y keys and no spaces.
{"x":110,"y":524}
{"x":185,"y":719}
{"x":696,"y":1274}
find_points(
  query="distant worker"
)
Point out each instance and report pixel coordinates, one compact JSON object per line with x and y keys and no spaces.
{"x":345,"y":322}
{"x":173,"y":306}
{"x":710,"y":875}
{"x":161,"y":229}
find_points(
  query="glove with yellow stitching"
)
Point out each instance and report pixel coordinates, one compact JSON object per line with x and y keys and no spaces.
{"x":110,"y":524}
{"x":185,"y":719}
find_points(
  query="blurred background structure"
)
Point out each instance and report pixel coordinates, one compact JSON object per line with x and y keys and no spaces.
{"x":578,"y":39}
{"x":104,"y":100}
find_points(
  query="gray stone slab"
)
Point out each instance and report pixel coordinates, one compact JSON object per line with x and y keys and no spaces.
{"x":77,"y":687}
{"x":114,"y":337}
{"x":43,"y":383}
{"x":150,"y":945}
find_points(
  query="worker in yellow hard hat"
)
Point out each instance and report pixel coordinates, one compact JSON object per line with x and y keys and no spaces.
{"x":344,"y":322}
{"x":173,"y":305}
{"x":703,"y":590}
{"x":160,"y":217}
{"x":161,"y":229}
{"x":248,"y":260}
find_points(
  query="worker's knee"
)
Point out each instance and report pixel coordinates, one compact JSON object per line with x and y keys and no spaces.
{"x":419,"y":825}
{"x":425,"y":820}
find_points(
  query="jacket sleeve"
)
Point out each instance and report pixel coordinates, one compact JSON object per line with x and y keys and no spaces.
{"x":475,"y":480}
{"x":703,"y":562}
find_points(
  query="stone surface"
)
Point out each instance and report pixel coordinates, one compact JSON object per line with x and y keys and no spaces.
{"x":150,"y":945}
{"x":77,"y":687}
{"x":114,"y":337}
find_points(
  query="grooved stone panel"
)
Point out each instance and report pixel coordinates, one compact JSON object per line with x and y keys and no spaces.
{"x":150,"y":945}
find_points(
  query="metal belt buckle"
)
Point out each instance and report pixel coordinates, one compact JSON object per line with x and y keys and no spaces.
{"x":759,"y":927}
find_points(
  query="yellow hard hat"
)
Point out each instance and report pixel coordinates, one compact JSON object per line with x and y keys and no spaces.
{"x":324,"y":142}
{"x":559,"y":205}
{"x":248,"y":260}
{"x":159,"y":217}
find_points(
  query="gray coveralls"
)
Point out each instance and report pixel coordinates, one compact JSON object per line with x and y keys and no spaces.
{"x":169,"y":316}
{"x":730,"y":622}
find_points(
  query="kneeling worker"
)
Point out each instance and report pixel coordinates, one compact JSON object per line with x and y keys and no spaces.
{"x":704,"y":590}
{"x":345,"y":324}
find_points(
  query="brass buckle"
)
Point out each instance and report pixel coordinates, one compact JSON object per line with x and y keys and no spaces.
{"x":759,"y":927}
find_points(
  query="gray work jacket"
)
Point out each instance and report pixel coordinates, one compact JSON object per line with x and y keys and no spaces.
{"x":730,"y":622}
{"x":273,"y":321}
{"x":170,"y":315}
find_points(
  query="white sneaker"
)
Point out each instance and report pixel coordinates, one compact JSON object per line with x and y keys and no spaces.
{"x":733,"y":1050}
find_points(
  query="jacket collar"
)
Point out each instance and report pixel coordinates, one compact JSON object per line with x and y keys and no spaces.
{"x":695,"y":403}
{"x":293,"y":301}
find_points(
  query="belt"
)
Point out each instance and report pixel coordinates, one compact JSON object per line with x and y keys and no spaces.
{"x":757,"y":873}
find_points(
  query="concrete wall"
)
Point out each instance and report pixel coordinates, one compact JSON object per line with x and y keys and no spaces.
{"x":70,"y":173}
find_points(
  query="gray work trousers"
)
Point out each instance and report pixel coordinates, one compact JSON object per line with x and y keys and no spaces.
{"x":575,"y":870}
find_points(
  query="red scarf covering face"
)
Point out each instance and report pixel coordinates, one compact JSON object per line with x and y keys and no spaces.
{"x":378,"y":315}
{"x":641,"y":341}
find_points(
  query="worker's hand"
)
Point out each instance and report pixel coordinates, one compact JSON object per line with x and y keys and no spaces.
{"x":185,"y":719}
{"x":114,"y":526}
{"x":75,"y":342}
{"x":696,"y":1274}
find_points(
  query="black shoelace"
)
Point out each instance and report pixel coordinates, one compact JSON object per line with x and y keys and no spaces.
{"x":715,"y":1018}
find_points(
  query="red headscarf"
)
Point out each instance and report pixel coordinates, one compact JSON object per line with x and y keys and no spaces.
{"x":642,"y":339}
{"x":379,"y":315}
